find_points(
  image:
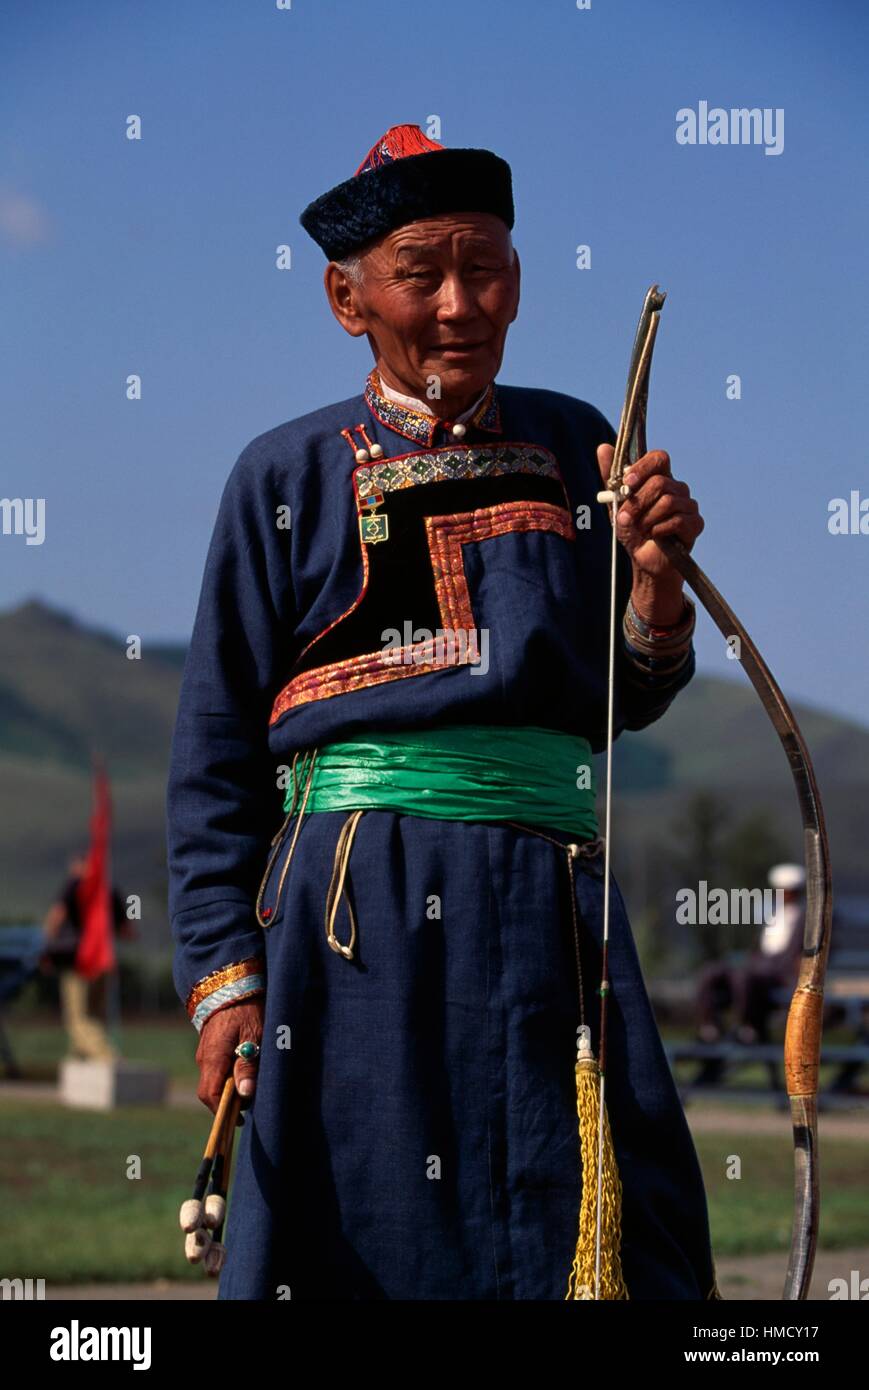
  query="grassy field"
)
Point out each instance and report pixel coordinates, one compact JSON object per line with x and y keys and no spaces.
{"x":752,"y":1215}
{"x":72,"y":1215}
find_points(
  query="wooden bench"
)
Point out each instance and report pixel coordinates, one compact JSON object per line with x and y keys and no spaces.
{"x":717,"y":1060}
{"x":20,"y":950}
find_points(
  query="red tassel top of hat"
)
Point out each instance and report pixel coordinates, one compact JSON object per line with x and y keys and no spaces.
{"x":398,"y":142}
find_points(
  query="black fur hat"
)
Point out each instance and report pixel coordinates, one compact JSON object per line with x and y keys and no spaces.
{"x":404,"y":177}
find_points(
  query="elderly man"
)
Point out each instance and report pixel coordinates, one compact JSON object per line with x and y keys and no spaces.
{"x":403,"y":626}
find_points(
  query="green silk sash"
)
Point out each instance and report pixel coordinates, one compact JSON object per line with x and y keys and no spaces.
{"x":469,"y":772}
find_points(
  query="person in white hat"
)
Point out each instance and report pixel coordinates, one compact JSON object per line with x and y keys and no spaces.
{"x":751,"y":988}
{"x":773,"y":965}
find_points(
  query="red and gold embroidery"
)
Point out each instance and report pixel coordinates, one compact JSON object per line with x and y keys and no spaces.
{"x":226,"y":975}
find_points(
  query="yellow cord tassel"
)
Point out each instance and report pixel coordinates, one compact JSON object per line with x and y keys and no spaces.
{"x":581,"y":1284}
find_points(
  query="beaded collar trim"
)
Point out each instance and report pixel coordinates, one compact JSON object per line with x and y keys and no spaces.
{"x":413,"y":424}
{"x":451,"y":463}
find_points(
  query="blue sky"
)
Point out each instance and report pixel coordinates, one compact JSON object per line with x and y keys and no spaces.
{"x":157,"y":257}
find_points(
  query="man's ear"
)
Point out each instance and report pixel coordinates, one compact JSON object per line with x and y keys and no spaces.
{"x":342,"y":295}
{"x":518,"y":266}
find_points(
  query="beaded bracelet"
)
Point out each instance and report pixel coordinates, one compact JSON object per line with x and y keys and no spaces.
{"x":658,"y":640}
{"x":658,"y":650}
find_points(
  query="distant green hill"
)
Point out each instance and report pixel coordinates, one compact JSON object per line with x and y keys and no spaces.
{"x":66,"y":688}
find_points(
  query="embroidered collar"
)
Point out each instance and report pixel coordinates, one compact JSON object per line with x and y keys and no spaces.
{"x":421,"y":428}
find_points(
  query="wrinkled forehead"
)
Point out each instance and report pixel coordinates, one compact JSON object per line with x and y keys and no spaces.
{"x":446,"y":234}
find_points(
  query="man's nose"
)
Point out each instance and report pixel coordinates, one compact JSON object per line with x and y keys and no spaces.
{"x":456,"y":299}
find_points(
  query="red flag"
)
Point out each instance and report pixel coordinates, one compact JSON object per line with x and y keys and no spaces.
{"x":96,"y":945}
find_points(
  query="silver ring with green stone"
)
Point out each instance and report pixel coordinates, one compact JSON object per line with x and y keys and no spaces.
{"x":247,"y":1051}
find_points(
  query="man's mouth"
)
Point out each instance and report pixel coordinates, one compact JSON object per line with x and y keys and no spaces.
{"x":458,"y":347}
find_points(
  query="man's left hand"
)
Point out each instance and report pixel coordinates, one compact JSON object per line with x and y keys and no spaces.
{"x":658,"y":506}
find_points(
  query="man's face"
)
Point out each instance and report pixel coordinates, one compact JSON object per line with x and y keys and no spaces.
{"x":436,"y":300}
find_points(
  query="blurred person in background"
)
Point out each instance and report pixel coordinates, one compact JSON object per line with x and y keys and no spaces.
{"x":83,"y":1000}
{"x":753,"y":987}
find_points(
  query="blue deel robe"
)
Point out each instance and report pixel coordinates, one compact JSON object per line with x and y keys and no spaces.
{"x":414,"y":1131}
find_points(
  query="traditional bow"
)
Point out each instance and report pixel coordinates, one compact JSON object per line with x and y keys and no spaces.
{"x":803,"y":1033}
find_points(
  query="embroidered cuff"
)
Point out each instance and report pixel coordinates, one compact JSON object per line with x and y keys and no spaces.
{"x":228,"y":985}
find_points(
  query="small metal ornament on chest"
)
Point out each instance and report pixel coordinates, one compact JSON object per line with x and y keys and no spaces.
{"x":373,"y":525}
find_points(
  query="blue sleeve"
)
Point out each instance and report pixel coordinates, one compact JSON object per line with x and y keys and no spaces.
{"x":644,"y":697}
{"x":222,"y":801}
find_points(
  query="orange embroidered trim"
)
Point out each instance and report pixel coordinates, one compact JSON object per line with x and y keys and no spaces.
{"x":373,"y":668}
{"x":446,"y":536}
{"x":226,"y":975}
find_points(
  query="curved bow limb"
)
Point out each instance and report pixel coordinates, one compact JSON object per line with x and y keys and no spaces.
{"x":804,"y":1022}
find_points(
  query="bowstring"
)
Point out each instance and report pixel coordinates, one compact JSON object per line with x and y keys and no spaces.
{"x":604,"y":984}
{"x":630,"y":431}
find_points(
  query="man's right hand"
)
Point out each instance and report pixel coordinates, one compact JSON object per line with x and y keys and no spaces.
{"x":215,"y":1055}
